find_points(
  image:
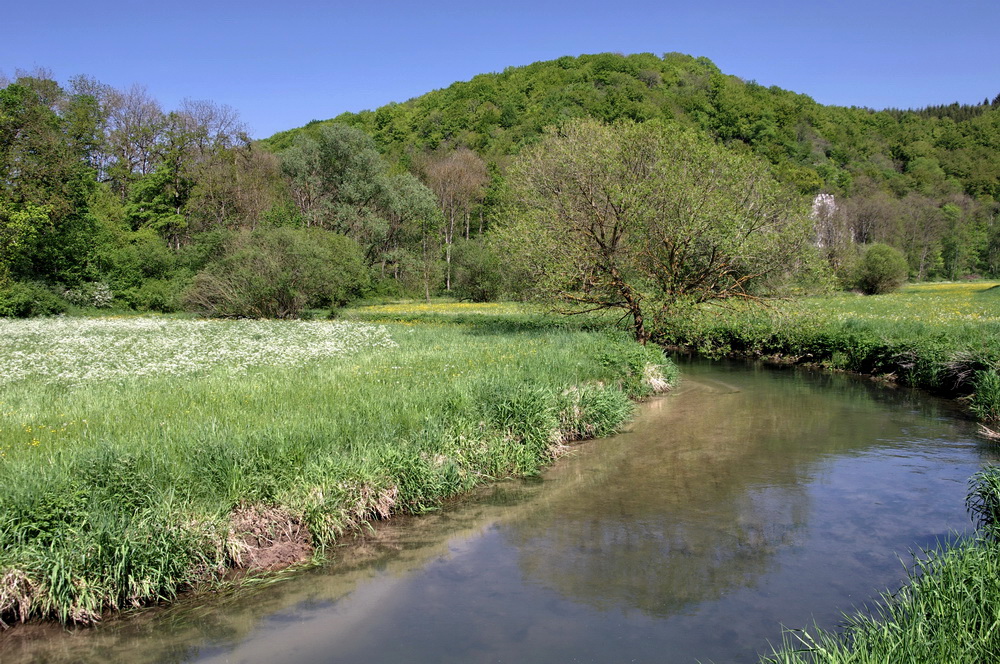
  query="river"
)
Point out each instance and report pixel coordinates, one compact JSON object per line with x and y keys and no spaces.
{"x":748,"y":499}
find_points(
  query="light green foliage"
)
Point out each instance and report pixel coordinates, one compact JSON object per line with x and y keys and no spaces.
{"x":898,"y":176}
{"x":647,"y":218}
{"x":127,"y":444}
{"x":340,"y":183}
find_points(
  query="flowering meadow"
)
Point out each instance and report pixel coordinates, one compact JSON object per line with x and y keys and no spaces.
{"x":937,"y":306}
{"x":137,"y":453}
{"x":80,"y":350}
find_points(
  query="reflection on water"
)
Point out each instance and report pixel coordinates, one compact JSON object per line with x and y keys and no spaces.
{"x":747,"y":499}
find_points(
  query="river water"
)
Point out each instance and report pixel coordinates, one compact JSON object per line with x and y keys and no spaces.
{"x":747,"y":499}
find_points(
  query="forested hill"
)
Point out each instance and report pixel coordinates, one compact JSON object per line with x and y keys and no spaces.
{"x":939,"y":151}
{"x":109,"y":200}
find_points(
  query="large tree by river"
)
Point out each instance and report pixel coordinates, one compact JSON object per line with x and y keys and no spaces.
{"x":645,"y":218}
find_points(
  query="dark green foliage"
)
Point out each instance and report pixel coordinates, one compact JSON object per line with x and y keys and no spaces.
{"x":278,"y":273}
{"x":882,"y":269}
{"x":478,"y":271}
{"x":24,"y":300}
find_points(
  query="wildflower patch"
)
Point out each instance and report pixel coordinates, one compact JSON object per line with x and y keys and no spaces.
{"x":79,"y":350}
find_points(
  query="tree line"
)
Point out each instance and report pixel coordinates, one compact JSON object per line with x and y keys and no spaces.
{"x":108,"y":199}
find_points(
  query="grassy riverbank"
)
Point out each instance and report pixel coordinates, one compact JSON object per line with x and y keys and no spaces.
{"x":140,"y":456}
{"x":941,"y":337}
{"x":949,"y":610}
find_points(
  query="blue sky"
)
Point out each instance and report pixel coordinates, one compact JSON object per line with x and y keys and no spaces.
{"x":281,"y":64}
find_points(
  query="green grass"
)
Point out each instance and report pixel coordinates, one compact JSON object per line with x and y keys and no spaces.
{"x":941,"y":337}
{"x":948,"y":612}
{"x":121,"y":465}
{"x":480,"y":316}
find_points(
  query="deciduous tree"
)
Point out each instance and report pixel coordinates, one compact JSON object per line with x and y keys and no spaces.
{"x":645,"y":218}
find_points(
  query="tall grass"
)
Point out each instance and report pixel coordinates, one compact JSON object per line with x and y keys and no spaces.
{"x":119,"y":488}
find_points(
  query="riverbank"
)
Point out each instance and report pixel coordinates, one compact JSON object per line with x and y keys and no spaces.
{"x":944,"y":338}
{"x":142,"y":456}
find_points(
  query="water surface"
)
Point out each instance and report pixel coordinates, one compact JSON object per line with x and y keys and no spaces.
{"x":746,"y":500}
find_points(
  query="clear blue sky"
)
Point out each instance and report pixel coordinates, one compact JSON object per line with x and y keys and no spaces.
{"x":281,"y":64}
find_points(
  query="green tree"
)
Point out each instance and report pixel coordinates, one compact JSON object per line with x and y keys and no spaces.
{"x":339,"y":182}
{"x":44,"y":165}
{"x":19,"y":226}
{"x":647,"y":218}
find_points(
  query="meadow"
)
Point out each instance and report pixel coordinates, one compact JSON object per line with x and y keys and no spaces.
{"x":140,"y":457}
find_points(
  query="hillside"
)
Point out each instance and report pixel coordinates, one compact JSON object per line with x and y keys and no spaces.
{"x":938,"y":151}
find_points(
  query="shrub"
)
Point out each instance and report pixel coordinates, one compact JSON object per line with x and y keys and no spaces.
{"x":24,"y":300}
{"x":882,"y":269}
{"x":160,"y":295}
{"x":94,"y":294}
{"x":278,"y":273}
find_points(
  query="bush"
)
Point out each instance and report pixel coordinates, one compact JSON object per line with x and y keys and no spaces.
{"x":882,"y":269}
{"x":24,"y":300}
{"x":92,"y":294}
{"x":278,"y":273}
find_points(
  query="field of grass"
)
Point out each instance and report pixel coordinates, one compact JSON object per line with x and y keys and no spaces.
{"x":491,"y":316}
{"x":941,"y":337}
{"x":141,"y":456}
